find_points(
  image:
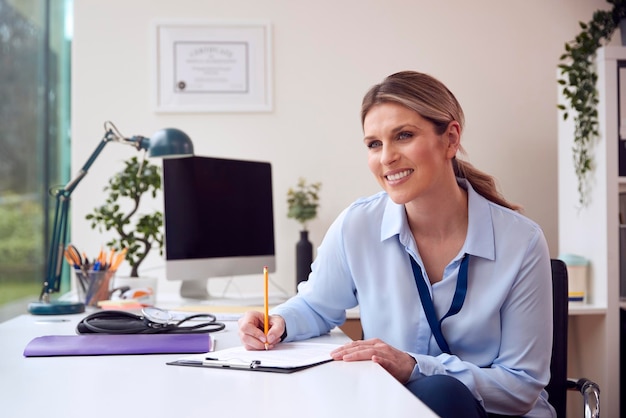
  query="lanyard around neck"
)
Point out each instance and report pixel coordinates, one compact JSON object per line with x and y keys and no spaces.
{"x":429,"y":307}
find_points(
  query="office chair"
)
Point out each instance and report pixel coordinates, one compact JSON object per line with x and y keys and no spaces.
{"x":559,"y":383}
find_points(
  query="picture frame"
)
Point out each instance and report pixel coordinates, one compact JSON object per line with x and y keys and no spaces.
{"x":213,"y":66}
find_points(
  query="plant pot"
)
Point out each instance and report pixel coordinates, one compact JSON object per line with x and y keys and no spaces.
{"x":304,"y":257}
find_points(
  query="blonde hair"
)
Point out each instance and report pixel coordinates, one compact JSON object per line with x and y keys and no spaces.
{"x":434,"y":102}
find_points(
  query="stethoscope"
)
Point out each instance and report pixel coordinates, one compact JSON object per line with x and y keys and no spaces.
{"x":162,"y":318}
{"x":153,"y":320}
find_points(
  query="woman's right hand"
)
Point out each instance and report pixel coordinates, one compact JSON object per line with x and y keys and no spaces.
{"x":251,"y":333}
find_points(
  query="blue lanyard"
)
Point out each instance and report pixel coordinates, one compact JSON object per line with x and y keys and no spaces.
{"x":427,"y":303}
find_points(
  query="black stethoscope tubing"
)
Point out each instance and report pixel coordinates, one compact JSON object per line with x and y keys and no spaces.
{"x":95,"y":324}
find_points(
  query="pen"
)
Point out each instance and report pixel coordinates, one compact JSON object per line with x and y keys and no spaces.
{"x":266,"y":316}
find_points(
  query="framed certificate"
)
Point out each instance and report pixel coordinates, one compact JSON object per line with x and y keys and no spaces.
{"x":213,"y":66}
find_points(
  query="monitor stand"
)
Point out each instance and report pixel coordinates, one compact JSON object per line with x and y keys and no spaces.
{"x":194,"y":289}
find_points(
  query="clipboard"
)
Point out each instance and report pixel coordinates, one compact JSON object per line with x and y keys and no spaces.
{"x":284,"y":358}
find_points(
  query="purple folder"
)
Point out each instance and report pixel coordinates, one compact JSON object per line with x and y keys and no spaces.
{"x":106,"y":344}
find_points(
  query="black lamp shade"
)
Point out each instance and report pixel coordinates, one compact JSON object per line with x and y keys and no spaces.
{"x":170,"y":143}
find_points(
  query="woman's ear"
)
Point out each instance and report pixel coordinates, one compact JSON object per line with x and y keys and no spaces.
{"x":453,"y":135}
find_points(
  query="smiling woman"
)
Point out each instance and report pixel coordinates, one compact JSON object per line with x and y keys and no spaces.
{"x":34,"y":145}
{"x":410,"y":94}
{"x":437,"y":239}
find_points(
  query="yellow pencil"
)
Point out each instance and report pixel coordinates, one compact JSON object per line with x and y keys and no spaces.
{"x":111,"y":255}
{"x":266,"y":316}
{"x":118,"y":259}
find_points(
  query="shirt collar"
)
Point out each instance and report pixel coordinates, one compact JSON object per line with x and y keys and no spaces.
{"x":480,"y":240}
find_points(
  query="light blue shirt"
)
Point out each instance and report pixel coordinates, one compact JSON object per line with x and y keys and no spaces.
{"x":501,"y":339}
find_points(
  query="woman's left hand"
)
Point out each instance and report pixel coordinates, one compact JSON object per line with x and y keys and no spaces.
{"x":398,"y":363}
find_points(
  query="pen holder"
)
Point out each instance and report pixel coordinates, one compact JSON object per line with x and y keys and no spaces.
{"x":93,"y":285}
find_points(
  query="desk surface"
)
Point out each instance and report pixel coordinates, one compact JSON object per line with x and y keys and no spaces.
{"x":144,"y":386}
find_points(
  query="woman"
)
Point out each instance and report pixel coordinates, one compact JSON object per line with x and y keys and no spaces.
{"x":439,"y":228}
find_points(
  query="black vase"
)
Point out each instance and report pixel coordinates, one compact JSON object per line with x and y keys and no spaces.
{"x":304,"y":257}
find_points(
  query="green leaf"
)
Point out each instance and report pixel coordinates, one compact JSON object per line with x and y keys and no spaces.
{"x":303,"y":201}
{"x":136,"y":233}
{"x":579,"y":80}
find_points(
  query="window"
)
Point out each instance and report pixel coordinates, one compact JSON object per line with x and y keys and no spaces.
{"x":35,"y":39}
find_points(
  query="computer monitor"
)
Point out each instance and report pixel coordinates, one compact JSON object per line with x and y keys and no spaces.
{"x":219,"y":220}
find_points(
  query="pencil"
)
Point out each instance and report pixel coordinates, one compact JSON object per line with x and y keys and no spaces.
{"x":118,"y":259}
{"x":111,"y":255}
{"x":266,"y":301}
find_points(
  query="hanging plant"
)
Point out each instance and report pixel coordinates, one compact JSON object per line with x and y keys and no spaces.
{"x":578,"y":78}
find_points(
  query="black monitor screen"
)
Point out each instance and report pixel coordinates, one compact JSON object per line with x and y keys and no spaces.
{"x":216,"y":208}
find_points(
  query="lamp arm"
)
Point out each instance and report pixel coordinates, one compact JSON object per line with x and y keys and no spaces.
{"x":52,"y":283}
{"x":108,"y":137}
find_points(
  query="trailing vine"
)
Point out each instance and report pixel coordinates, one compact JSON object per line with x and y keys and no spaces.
{"x":578,"y":79}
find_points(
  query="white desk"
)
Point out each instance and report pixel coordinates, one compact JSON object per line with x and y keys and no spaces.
{"x":144,"y":386}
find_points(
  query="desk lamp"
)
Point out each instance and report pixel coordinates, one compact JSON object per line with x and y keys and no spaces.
{"x":166,"y":143}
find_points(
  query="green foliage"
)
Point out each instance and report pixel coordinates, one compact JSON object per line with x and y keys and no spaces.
{"x":578,"y":80}
{"x":140,"y":233}
{"x":21,"y":247}
{"x":303,"y":202}
{"x":20,"y":223}
{"x":16,"y":290}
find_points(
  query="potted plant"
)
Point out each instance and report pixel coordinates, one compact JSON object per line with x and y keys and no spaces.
{"x":578,"y":81}
{"x":303,"y":202}
{"x":138,"y":233}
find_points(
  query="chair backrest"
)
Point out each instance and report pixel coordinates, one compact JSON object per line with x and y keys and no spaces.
{"x":557,"y":388}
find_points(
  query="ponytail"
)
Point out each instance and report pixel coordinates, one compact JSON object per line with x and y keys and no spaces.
{"x":483,"y":183}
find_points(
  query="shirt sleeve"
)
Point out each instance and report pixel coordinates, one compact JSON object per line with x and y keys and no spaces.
{"x":322,"y":300}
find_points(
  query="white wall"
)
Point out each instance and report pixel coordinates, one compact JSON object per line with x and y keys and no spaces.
{"x":498,"y":57}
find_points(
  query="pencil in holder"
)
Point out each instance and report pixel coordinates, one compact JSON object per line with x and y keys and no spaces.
{"x":94,"y":285}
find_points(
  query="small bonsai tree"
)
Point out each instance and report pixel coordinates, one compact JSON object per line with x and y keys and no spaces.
{"x":303,"y":202}
{"x":137,"y":233}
